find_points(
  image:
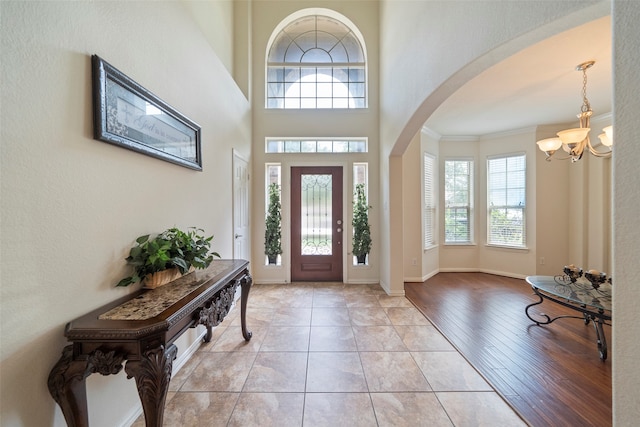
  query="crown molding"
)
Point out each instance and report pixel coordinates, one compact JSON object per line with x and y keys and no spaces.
{"x":459,"y":138}
{"x":520,"y":131}
{"x":431,"y":133}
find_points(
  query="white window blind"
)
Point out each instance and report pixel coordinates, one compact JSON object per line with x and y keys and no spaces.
{"x":429,"y":201}
{"x":458,"y":200}
{"x":506,"y":192}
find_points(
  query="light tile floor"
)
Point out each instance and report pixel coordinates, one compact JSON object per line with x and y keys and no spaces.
{"x":330,"y":354}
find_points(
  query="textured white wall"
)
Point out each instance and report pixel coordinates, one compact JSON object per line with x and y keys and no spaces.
{"x":552,"y":209}
{"x":626,"y":202}
{"x":71,"y":205}
{"x":215,"y":19}
{"x":412,"y":210}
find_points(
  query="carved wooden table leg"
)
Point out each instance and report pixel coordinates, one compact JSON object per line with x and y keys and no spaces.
{"x":152,"y":375}
{"x":67,"y":381}
{"x":246,"y":287}
{"x":67,"y":387}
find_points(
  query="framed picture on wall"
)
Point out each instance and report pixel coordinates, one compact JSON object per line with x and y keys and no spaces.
{"x":128,"y":115}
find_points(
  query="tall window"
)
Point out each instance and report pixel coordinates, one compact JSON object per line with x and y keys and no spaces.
{"x":360,"y":175}
{"x":316,"y":62}
{"x":273,"y":219}
{"x":506,"y":190}
{"x":429,"y":201}
{"x":273,"y":175}
{"x":360,"y":178}
{"x":458,"y":201}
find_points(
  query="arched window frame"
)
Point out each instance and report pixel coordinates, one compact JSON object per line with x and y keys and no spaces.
{"x":285,"y":84}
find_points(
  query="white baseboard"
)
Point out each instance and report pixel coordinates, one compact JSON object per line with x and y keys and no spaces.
{"x":505,"y":273}
{"x":360,"y":282}
{"x":396,"y":294}
{"x":421,"y":279}
{"x":483,"y":270}
{"x":133,"y":416}
{"x":430,"y":275}
{"x":460,"y":270}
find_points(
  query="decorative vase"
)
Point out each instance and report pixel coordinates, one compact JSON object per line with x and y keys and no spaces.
{"x":362,"y":259}
{"x":159,"y":278}
{"x":273,"y":259}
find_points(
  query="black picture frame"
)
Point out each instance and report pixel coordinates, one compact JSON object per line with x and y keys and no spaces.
{"x":128,"y":115}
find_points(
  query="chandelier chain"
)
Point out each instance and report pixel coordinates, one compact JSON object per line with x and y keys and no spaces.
{"x":586,"y":106}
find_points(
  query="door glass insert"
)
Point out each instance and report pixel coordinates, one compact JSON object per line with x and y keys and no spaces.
{"x":316,"y":214}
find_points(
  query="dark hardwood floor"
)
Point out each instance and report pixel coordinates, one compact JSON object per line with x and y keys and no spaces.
{"x":551,"y":375}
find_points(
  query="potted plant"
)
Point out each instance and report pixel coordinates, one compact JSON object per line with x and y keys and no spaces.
{"x":361,"y":228}
{"x":273,"y":230}
{"x":173,"y":253}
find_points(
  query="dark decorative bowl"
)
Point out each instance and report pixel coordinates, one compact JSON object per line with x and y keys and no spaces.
{"x":596,"y":278}
{"x":572,"y":272}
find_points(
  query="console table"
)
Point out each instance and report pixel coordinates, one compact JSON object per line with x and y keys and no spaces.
{"x":593,"y":302}
{"x":141,"y":329}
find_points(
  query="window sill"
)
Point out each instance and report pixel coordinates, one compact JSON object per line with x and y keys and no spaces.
{"x":452,"y":244}
{"x":515,"y":248}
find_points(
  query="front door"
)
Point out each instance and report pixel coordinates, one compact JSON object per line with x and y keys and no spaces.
{"x":316,"y":224}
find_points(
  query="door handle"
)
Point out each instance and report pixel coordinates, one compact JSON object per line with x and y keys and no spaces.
{"x":238,"y":235}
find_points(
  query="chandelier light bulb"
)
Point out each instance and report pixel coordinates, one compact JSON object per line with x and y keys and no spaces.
{"x":609,"y":132}
{"x":573,"y":136}
{"x":549,"y":144}
{"x":604,"y":139}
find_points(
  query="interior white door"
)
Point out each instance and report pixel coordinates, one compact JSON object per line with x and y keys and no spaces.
{"x":240,"y":207}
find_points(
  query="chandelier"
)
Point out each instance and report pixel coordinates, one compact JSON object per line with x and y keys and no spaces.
{"x":575,"y":141}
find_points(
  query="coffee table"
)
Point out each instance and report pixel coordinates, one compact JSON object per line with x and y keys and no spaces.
{"x":594,"y":302}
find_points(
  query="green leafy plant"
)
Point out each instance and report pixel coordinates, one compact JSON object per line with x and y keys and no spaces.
{"x":273,"y":230}
{"x":173,"y":248}
{"x":360,"y":222}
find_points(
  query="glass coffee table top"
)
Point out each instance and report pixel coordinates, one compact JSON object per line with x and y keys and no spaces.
{"x":582,"y":292}
{"x":593,"y":301}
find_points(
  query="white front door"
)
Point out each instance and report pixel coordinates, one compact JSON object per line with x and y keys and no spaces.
{"x":240,"y":207}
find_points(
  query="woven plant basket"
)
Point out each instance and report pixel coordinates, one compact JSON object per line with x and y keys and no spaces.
{"x":157,"y":279}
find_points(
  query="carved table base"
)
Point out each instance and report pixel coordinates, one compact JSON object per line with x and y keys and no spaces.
{"x":146,"y":346}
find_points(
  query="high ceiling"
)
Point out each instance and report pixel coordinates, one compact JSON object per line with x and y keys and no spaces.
{"x":536,"y":86}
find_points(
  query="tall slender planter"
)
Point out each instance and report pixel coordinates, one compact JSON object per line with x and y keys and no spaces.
{"x":273,"y":226}
{"x":361,"y":228}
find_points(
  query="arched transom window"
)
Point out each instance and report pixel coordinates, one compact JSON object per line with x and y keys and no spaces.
{"x":316,"y":62}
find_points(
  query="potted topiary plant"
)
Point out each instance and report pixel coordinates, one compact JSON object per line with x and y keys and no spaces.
{"x":361,"y":228}
{"x":167,"y":256}
{"x":273,"y":226}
